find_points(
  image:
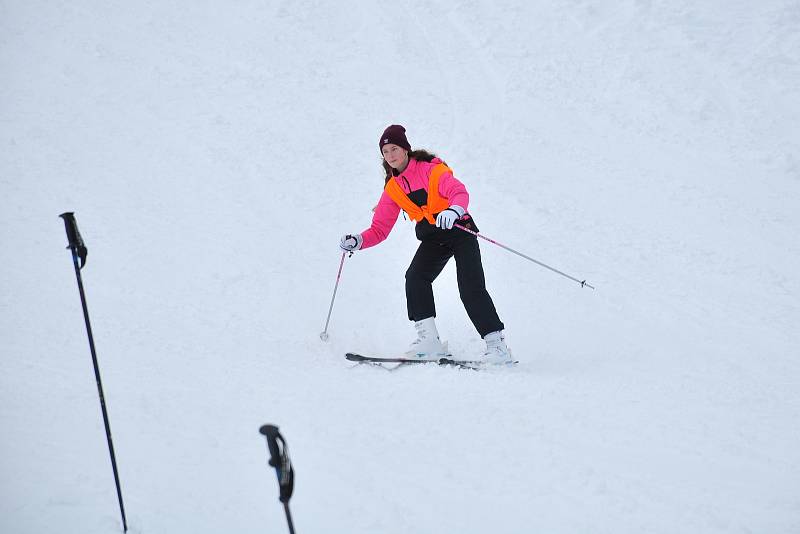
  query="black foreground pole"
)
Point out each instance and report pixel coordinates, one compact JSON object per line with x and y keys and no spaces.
{"x":79,"y":250}
{"x":279,"y":459}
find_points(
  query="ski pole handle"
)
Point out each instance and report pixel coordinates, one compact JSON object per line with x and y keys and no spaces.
{"x":537,"y":262}
{"x":76,"y":243}
{"x":279,"y":459}
{"x":271,"y":433}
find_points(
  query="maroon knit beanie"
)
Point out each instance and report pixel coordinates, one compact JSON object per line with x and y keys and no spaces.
{"x":396,"y":135}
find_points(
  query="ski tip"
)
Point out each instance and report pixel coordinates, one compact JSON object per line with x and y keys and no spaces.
{"x":354,"y":357}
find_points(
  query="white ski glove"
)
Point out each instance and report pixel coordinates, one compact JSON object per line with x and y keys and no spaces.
{"x":351,"y":242}
{"x":448,"y":217}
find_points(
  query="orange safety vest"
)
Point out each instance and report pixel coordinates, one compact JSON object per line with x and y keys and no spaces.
{"x":435,"y":201}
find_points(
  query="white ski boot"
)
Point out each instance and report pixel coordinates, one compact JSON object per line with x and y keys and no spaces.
{"x":497,"y":352}
{"x":427,"y":345}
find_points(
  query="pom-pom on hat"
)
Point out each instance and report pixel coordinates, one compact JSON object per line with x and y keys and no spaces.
{"x":395,"y":135}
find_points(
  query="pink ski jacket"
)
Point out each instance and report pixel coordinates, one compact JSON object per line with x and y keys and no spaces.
{"x":413,"y":178}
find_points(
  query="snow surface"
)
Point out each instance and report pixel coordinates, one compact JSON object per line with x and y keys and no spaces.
{"x":214,"y":153}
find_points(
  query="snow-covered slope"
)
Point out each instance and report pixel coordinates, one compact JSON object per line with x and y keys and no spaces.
{"x":214,"y":154}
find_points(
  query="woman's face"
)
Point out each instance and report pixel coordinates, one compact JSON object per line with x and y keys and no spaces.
{"x":395,"y":156}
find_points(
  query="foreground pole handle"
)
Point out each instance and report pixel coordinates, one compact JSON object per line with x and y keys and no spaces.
{"x":74,"y":237}
{"x":279,"y":459}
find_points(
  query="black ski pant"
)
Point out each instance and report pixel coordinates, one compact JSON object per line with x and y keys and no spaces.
{"x":431,"y":257}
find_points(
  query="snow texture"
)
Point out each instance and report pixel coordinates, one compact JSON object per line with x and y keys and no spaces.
{"x":215,"y":152}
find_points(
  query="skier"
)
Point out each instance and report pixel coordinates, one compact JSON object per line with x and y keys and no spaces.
{"x":424,"y":187}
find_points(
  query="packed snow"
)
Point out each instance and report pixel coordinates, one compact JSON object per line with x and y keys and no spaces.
{"x":214,"y":153}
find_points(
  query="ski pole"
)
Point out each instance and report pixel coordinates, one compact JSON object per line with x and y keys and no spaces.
{"x":324,"y":335}
{"x":279,"y":459}
{"x":79,"y":250}
{"x":581,"y":282}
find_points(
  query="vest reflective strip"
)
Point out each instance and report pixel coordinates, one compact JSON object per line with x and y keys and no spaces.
{"x":435,"y":201}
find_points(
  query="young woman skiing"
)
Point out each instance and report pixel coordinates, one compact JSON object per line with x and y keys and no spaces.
{"x":420,"y":184}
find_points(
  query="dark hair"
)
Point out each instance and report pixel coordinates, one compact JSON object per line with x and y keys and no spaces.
{"x":419,"y":155}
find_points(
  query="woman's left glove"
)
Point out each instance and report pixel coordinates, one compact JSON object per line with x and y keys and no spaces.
{"x":448,"y":217}
{"x":351,"y":242}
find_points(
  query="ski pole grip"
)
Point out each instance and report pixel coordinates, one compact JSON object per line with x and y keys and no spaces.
{"x":279,"y":459}
{"x":271,"y":433}
{"x":74,"y":236}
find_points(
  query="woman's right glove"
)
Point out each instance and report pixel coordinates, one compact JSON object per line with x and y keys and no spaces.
{"x":351,"y":242}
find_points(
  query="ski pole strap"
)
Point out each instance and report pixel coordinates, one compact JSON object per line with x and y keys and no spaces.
{"x":279,"y":459}
{"x":74,"y":237}
{"x":537,"y":262}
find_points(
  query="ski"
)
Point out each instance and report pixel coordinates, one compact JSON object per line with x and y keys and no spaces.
{"x":359,"y":358}
{"x":475,"y":364}
{"x":463,"y":364}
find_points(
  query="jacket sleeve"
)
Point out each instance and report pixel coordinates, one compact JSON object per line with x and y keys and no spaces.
{"x":383,"y":220}
{"x":453,"y":190}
